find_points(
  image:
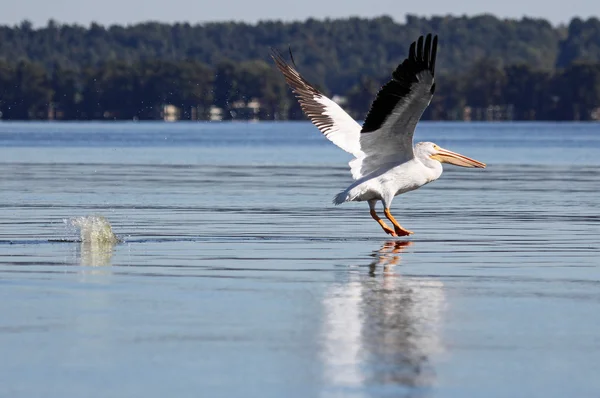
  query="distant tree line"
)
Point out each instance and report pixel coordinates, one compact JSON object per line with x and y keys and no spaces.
{"x":488,"y":69}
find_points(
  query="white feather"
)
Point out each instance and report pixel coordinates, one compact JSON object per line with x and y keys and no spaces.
{"x":345,"y":131}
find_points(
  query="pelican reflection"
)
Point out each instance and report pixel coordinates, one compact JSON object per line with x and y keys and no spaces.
{"x":381,"y":329}
{"x":388,"y":256}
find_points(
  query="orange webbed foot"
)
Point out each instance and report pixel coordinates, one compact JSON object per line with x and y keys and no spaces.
{"x":403,"y":232}
{"x":390,"y":231}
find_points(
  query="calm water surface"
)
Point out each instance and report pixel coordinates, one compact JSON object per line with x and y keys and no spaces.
{"x":238,"y":277}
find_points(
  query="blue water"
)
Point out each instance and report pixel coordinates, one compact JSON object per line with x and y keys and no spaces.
{"x":238,"y":277}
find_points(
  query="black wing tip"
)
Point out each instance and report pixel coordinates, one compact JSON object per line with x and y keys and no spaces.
{"x":276,"y":55}
{"x":423,"y":51}
{"x":433,"y":54}
{"x":292,"y":56}
{"x":293,"y":78}
{"x":421,"y":57}
{"x":411,"y":52}
{"x":280,"y":60}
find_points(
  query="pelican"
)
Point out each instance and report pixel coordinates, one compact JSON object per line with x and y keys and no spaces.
{"x":386,"y":163}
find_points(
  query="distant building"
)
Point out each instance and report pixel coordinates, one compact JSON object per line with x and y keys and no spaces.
{"x":246,"y":110}
{"x":170,"y":113}
{"x":215,"y":113}
{"x":338,"y":99}
{"x":490,"y":113}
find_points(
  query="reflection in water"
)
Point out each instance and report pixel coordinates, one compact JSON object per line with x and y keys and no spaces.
{"x":380,"y":332}
{"x":95,"y":253}
{"x":388,"y":256}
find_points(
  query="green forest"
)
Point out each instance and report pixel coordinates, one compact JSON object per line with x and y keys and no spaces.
{"x":487,"y":68}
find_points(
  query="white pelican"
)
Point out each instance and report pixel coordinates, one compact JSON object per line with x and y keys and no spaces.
{"x":386,"y":164}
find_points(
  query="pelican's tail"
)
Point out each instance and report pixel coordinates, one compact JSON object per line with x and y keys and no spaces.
{"x":341,"y":197}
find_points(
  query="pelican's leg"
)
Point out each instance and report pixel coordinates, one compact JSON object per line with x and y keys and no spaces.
{"x":387,"y":229}
{"x":397,"y":227}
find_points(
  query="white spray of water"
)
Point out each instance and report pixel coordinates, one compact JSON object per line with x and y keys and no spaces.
{"x":94,"y":229}
{"x":97,"y":239}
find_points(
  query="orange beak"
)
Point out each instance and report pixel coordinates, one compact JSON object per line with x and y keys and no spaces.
{"x":446,"y":156}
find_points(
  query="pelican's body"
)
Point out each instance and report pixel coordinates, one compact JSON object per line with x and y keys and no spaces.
{"x":386,"y":164}
{"x":394,"y":180}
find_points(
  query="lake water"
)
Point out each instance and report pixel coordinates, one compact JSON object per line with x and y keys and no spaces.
{"x":238,"y":277}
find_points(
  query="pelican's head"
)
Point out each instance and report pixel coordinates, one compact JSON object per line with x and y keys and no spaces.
{"x":435,"y":152}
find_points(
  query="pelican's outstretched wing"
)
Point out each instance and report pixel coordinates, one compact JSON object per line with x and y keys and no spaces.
{"x":387,"y":134}
{"x":329,"y":117}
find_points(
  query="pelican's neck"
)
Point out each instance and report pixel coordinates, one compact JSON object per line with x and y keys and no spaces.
{"x":433,"y":166}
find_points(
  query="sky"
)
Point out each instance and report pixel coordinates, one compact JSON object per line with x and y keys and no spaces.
{"x":123,"y":12}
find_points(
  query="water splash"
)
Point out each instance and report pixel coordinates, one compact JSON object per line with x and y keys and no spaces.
{"x":97,"y":239}
{"x":93,"y":229}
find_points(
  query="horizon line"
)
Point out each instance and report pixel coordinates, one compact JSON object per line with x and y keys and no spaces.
{"x":291,"y":20}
